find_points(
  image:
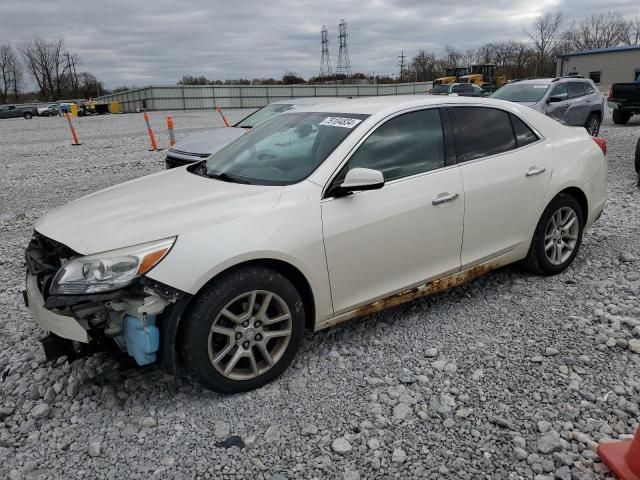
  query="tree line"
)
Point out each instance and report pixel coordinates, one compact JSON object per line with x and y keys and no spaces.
{"x":50,"y":66}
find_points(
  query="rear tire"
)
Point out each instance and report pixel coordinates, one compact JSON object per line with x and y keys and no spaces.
{"x":243,"y":330}
{"x":28,"y":115}
{"x":637,"y":163}
{"x":620,"y":118}
{"x":593,"y":125}
{"x":557,"y":237}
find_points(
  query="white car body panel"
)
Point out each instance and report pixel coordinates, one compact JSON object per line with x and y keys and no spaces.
{"x":378,"y":243}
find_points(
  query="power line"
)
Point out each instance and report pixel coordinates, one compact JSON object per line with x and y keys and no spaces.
{"x":344,"y":64}
{"x":325,"y":62}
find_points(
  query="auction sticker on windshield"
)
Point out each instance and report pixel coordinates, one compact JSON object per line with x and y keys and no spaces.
{"x":343,"y":122}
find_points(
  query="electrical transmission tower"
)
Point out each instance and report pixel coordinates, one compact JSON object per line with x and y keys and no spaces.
{"x":325,"y":63}
{"x":344,"y":64}
{"x":402,"y":56}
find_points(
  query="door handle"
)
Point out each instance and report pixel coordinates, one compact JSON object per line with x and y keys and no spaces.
{"x":535,"y":171}
{"x":444,"y":197}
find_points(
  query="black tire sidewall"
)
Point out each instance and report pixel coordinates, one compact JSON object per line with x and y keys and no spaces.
{"x":562,"y":200}
{"x":637,"y":162}
{"x":28,"y":116}
{"x":620,"y":118}
{"x":217,"y":295}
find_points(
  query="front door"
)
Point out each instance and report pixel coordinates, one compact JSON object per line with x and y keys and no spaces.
{"x":383,"y":241}
{"x":557,"y":108}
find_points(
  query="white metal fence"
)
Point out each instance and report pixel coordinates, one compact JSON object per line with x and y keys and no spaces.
{"x":187,"y":97}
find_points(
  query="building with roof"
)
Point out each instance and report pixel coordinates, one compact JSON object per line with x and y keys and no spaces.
{"x":604,"y":66}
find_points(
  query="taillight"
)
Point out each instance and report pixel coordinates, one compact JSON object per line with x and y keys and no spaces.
{"x":602,"y":143}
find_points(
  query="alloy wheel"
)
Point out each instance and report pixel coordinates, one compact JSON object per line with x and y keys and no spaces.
{"x":593,"y":127}
{"x":250,"y":335}
{"x":561,"y":235}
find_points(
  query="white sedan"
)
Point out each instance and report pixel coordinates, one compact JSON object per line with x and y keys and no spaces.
{"x":316,"y":216}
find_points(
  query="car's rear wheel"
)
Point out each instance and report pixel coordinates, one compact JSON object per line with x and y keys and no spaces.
{"x":620,"y":118}
{"x":28,"y":115}
{"x":557,"y":236}
{"x":243,"y":330}
{"x":593,"y":125}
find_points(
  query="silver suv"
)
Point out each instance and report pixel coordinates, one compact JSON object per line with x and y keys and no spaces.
{"x":573,"y":101}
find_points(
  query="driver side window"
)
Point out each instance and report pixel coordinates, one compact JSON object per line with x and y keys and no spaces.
{"x":406,"y":145}
{"x":560,"y":91}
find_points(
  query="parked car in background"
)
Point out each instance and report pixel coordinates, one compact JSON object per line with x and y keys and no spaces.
{"x":198,"y":146}
{"x":15,"y":111}
{"x":624,"y":99}
{"x":573,"y":101}
{"x":376,"y":202}
{"x":461,"y":89}
{"x":52,"y":110}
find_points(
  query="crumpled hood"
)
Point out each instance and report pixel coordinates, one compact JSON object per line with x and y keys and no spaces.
{"x":210,"y":141}
{"x":153,"y":207}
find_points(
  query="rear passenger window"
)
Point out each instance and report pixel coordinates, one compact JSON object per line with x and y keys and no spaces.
{"x":576,"y":89}
{"x":481,"y":132}
{"x":524,"y":135}
{"x":405,"y":145}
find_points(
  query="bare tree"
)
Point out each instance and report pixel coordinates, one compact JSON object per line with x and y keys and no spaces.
{"x":46,"y":62}
{"x":454,"y":57}
{"x":423,"y":66}
{"x":634,"y":31}
{"x":603,"y":30}
{"x":545,"y":35}
{"x":10,"y":73}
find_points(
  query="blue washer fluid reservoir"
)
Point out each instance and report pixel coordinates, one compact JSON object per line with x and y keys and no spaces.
{"x":142,"y":338}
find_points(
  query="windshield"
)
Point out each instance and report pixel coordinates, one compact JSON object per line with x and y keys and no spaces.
{"x":283,"y":150}
{"x":522,"y":92}
{"x":440,"y":89}
{"x":263,"y":114}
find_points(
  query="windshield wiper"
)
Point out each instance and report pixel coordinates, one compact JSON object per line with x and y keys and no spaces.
{"x":225,"y":177}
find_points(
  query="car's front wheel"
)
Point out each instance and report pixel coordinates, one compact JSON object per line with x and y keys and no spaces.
{"x":243,"y":330}
{"x":28,"y":115}
{"x":593,"y":125}
{"x":637,"y":164}
{"x":557,"y":236}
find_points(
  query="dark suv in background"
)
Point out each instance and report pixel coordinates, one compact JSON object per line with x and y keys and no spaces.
{"x":573,"y":101}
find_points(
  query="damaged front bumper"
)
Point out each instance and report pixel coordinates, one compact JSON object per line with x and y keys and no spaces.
{"x":140,"y":319}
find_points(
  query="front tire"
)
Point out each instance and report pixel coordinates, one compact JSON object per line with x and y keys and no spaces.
{"x":620,"y":118}
{"x":637,"y":163}
{"x":593,"y":125}
{"x":557,"y":237}
{"x":243,"y":330}
{"x":28,"y":115}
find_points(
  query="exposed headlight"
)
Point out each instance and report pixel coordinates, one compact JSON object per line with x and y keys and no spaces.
{"x":107,"y":271}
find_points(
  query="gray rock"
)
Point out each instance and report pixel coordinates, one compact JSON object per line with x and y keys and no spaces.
{"x":431,"y":353}
{"x":402,"y":411}
{"x":6,"y":412}
{"x":309,"y":430}
{"x":73,"y":388}
{"x":272,"y":434}
{"x":477,"y":375}
{"x":550,"y":442}
{"x":627,"y":257}
{"x":443,"y":405}
{"x":550,"y":351}
{"x":149,"y":422}
{"x":544,"y":426}
{"x":40,"y":411}
{"x":373,"y":443}
{"x":351,"y":475}
{"x":520,"y":454}
{"x":634,"y":345}
{"x":341,"y":446}
{"x":398,"y":456}
{"x":563,"y":473}
{"x":221,"y":429}
{"x":95,"y":448}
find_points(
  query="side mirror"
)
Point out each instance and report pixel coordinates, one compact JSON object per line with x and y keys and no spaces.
{"x":555,"y":100}
{"x":358,"y":180}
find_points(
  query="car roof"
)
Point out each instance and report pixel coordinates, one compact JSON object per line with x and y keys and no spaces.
{"x":538,"y":81}
{"x":373,"y":105}
{"x":307,"y":100}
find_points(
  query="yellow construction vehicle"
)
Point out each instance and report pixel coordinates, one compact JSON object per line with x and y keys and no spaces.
{"x":484,"y":76}
{"x":453,"y":74}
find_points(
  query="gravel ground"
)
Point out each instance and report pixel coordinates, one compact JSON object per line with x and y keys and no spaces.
{"x":511,"y":376}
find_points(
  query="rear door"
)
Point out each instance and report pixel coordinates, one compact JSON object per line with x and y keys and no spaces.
{"x":408,"y":232}
{"x":558,"y":109}
{"x":506,"y":168}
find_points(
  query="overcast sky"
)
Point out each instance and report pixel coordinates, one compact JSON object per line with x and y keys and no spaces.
{"x":141,"y":42}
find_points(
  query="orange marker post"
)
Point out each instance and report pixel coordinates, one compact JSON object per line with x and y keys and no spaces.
{"x":73,"y":131}
{"x":224,"y":119}
{"x":172,"y":137}
{"x":154,"y":146}
{"x":623,"y":458}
